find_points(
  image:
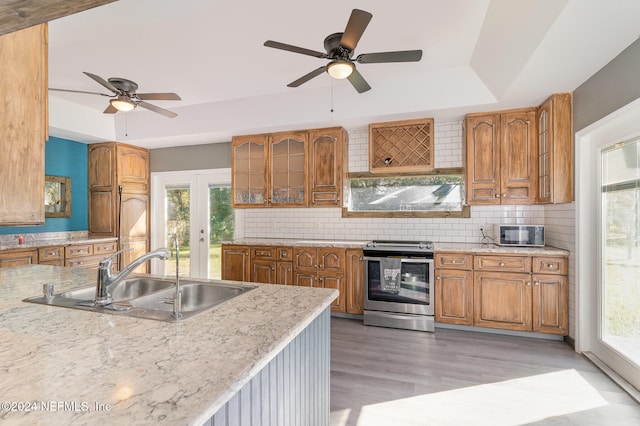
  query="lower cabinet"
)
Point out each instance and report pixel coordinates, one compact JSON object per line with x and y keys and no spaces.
{"x":53,"y":256}
{"x":18,"y":257}
{"x":521,"y":293}
{"x":326,"y":267}
{"x":88,"y":255}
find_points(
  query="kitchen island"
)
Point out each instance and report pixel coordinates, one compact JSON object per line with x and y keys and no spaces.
{"x":258,"y":358}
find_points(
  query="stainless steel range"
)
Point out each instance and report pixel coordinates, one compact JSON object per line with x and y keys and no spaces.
{"x":399,"y":284}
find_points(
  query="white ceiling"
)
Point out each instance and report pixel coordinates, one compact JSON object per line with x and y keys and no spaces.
{"x":477,"y":55}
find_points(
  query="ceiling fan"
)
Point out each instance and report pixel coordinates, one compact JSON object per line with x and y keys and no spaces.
{"x":125,"y":97}
{"x":340,"y":47}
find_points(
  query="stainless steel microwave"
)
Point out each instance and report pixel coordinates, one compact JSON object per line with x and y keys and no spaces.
{"x":519,"y":235}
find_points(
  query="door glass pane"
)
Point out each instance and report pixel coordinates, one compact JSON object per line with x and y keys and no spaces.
{"x":221,"y":225}
{"x":178,"y":208}
{"x":620,"y":319}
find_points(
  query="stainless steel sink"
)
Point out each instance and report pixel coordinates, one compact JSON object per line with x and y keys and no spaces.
{"x":149,"y":298}
{"x":124,"y":290}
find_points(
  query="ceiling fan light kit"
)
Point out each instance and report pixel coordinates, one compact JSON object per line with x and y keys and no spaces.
{"x":340,"y":48}
{"x":122,"y":103}
{"x":340,"y":69}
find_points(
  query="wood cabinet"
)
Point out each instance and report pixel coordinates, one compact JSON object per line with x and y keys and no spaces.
{"x":53,"y":256}
{"x":88,"y":255}
{"x":118,"y":179}
{"x":354,"y":282}
{"x":555,"y":150}
{"x":18,"y":257}
{"x":235,"y":262}
{"x":512,"y":292}
{"x":454,"y":288}
{"x":327,"y":163}
{"x":24,"y":125}
{"x":500,"y":157}
{"x":288,"y":169}
{"x":321,"y":267}
{"x":402,"y":146}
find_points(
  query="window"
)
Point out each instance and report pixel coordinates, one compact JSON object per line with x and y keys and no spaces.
{"x":412,"y":196}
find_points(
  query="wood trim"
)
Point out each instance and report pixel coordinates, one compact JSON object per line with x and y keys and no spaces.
{"x":434,"y":172}
{"x":464,"y":213}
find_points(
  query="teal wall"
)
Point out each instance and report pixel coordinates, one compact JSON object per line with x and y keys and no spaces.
{"x":63,"y":158}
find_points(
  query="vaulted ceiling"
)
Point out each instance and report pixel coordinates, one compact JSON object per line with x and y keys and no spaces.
{"x":477,"y":55}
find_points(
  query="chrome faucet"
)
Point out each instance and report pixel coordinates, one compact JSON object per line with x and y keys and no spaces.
{"x":177,"y":299}
{"x":106,"y":279}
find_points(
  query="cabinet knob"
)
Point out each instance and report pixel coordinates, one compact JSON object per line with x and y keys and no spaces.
{"x":537,"y":283}
{"x":550,"y":266}
{"x":501,"y":263}
{"x":437,"y":278}
{"x":529,"y":284}
{"x":453,"y":261}
{"x":504,"y":195}
{"x":497,"y":195}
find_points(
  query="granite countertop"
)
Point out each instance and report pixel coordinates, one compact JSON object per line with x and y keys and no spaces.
{"x":438,"y":247}
{"x":31,"y":243}
{"x":118,"y":370}
{"x":478,"y":248}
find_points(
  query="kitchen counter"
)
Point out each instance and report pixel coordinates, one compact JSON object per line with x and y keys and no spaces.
{"x":31,"y":243}
{"x":109,"y":369}
{"x":438,"y":247}
{"x":495,"y":249}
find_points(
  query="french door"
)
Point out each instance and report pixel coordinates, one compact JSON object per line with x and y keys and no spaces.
{"x":608,"y":241}
{"x":193,"y":208}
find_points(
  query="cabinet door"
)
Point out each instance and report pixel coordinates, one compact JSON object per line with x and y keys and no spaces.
{"x":249,"y":171}
{"x":336,"y":282}
{"x":263,"y":271}
{"x":305,"y":258}
{"x":288,"y":171}
{"x":518,"y":157}
{"x":326,"y":148}
{"x":102,"y":167}
{"x":332,"y":260}
{"x":133,"y":168}
{"x":482,"y":150}
{"x":354,"y":282}
{"x":304,"y":279}
{"x":550,"y":304}
{"x":18,"y":258}
{"x":135,"y":247}
{"x":102,"y":214}
{"x":23,"y":125}
{"x":502,"y":300}
{"x":544,"y":152}
{"x":284,"y":273}
{"x":235,"y":263}
{"x":134,"y":220}
{"x":454,"y":296}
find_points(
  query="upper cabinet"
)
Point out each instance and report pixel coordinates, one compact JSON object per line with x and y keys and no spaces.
{"x":401,"y":146}
{"x":500,"y":152}
{"x":555,"y":150}
{"x":288,"y":169}
{"x":23,"y":125}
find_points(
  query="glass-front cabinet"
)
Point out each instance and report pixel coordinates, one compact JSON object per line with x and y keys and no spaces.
{"x":249,"y":157}
{"x":288,"y":157}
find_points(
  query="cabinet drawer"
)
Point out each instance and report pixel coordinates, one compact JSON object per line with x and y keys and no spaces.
{"x":78,"y":250}
{"x":104,"y":248}
{"x":87,"y":262}
{"x":503,"y":263}
{"x":284,"y":254}
{"x":550,"y":265}
{"x":263,"y":252}
{"x":453,"y":260}
{"x":50,"y":253}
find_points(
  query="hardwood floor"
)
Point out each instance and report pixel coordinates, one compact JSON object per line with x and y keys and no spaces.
{"x":383,"y":376}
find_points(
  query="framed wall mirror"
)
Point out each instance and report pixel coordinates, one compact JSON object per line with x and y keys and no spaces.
{"x":57,"y":196}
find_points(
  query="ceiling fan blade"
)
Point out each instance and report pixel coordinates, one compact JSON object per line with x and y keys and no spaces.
{"x":157,"y":109}
{"x":102,"y":81}
{"x":358,"y":22}
{"x":158,"y":97}
{"x":381,"y":57}
{"x":307,"y":77}
{"x":294,"y":49}
{"x":79,"y":91}
{"x":110,"y":110}
{"x":358,"y":81}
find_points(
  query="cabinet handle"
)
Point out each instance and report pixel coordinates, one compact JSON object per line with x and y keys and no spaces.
{"x":529,"y":284}
{"x":501,"y":263}
{"x":537,"y":283}
{"x":437,"y":278}
{"x":453,"y":261}
{"x":497,"y":195}
{"x":550,"y":266}
{"x":504,"y":195}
